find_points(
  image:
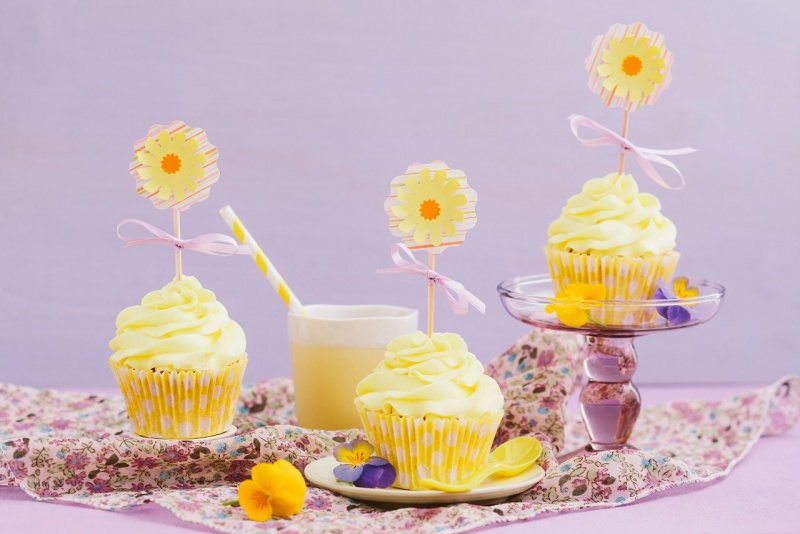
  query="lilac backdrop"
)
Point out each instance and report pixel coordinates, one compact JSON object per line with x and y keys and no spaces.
{"x":315,"y":106}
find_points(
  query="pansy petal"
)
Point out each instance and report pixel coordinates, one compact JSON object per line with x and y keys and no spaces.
{"x":691,"y":293}
{"x":666,"y":292}
{"x":341,"y":450}
{"x":377,"y":476}
{"x":254,"y":501}
{"x":376,"y":461}
{"x":263,"y":475}
{"x":572,"y":316}
{"x":362,"y":450}
{"x":678,"y":315}
{"x":290,"y":489}
{"x":347,"y":472}
{"x":595,"y":292}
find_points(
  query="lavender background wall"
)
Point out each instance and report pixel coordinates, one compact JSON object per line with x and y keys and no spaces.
{"x":315,"y":106}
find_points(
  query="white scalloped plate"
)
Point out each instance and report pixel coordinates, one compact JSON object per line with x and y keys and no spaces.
{"x":320,"y":473}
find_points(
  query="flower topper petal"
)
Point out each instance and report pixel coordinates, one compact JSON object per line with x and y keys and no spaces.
{"x":174,"y":165}
{"x":431,"y":207}
{"x":629,"y":66}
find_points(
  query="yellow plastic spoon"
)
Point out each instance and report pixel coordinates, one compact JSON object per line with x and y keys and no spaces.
{"x":509,"y":459}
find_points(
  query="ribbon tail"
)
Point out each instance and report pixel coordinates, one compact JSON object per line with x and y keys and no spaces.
{"x":476,"y":303}
{"x":644,"y":159}
{"x":215,"y":245}
{"x":668,"y":151}
{"x":460,"y":305}
{"x":217,"y":249}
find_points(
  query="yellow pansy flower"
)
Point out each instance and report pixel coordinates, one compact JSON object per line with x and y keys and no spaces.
{"x":276,"y":489}
{"x":571,"y":304}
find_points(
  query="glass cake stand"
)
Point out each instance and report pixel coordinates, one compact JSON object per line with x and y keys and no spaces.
{"x":609,"y":402}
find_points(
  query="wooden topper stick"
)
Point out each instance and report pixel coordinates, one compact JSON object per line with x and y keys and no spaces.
{"x":625,"y":135}
{"x":431,"y":266}
{"x":176,"y":223}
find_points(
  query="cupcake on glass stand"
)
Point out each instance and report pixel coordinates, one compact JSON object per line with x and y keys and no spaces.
{"x":611,"y":253}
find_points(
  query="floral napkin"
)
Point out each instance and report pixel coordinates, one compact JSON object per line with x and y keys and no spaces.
{"x":79,"y":448}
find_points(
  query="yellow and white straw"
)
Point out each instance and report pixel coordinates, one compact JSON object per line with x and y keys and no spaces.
{"x":261,"y":259}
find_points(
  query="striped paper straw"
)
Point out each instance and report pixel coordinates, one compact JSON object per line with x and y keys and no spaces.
{"x":262,"y":261}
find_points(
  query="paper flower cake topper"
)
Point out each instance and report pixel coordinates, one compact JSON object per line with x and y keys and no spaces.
{"x":174,"y":165}
{"x":629,"y":66}
{"x":431,"y":207}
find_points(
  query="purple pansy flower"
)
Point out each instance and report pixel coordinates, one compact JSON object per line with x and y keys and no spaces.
{"x":677,"y":290}
{"x":360,"y":468}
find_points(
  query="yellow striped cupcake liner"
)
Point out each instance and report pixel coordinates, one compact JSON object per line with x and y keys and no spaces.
{"x":180,"y":404}
{"x":624,"y":278}
{"x":447,"y":449}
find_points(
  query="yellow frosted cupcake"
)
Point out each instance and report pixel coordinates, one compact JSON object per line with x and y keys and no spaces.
{"x":179,"y":361}
{"x":612,"y":234}
{"x":429,"y":409}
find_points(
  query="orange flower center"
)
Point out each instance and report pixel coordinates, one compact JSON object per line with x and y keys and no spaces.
{"x":429,"y":209}
{"x":170,"y":163}
{"x":632,"y":65}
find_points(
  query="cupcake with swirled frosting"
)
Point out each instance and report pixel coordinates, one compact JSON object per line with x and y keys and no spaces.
{"x":429,"y":409}
{"x":612,"y":234}
{"x":179,"y":360}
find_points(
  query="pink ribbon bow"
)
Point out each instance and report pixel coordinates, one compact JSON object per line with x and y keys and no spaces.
{"x":457,"y":295}
{"x":643,"y":156}
{"x":216,"y":244}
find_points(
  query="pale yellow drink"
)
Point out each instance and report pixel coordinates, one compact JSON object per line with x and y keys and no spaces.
{"x":333,"y":348}
{"x":325,"y":399}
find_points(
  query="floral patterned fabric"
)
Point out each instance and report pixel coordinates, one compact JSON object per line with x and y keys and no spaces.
{"x":79,"y":448}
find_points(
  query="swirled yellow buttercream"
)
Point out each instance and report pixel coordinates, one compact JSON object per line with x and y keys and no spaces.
{"x":609,"y":216}
{"x":435,"y":375}
{"x":181,"y":326}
